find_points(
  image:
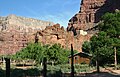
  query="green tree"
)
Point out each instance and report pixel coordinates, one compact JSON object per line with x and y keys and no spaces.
{"x":104,"y":44}
{"x":101,"y":47}
{"x":57,"y":54}
{"x":54,"y":53}
{"x":33,"y":51}
{"x":111,"y":25}
{"x":86,"y":47}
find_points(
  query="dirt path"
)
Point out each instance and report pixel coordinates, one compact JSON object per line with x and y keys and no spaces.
{"x":105,"y":72}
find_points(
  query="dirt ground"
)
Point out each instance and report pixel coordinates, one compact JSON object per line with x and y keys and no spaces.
{"x":104,"y":73}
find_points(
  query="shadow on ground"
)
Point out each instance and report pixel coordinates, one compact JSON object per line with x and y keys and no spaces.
{"x":94,"y":74}
{"x":37,"y":73}
{"x":34,"y":72}
{"x":2,"y":73}
{"x":101,"y":74}
{"x":21,"y":73}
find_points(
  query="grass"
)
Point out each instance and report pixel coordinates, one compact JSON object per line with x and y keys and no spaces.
{"x":52,"y":70}
{"x":79,"y":68}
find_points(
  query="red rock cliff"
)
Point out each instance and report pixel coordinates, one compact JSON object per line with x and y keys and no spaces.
{"x":16,"y":32}
{"x":56,"y":34}
{"x":90,"y":13}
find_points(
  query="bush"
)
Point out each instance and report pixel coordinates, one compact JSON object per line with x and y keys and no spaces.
{"x":66,"y":68}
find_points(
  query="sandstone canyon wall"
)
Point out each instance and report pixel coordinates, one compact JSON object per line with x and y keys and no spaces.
{"x":16,"y":32}
{"x":22,"y":23}
{"x":90,"y":14}
{"x":83,"y":24}
{"x":56,"y":34}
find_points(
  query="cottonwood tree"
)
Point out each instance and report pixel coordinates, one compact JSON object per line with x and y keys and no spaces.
{"x":105,"y":44}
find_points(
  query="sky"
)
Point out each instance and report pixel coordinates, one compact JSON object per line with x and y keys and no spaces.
{"x":57,"y":11}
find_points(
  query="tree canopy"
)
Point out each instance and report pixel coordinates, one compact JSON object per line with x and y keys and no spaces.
{"x":36,"y":51}
{"x":103,"y":43}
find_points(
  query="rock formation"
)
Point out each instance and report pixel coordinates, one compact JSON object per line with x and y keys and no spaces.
{"x":13,"y":40}
{"x":83,"y":24}
{"x":22,"y":23}
{"x":56,"y":34}
{"x":90,"y":14}
{"x":16,"y":32}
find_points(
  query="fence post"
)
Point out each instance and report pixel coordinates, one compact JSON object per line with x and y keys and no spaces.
{"x":7,"y":67}
{"x":45,"y":67}
{"x":72,"y":62}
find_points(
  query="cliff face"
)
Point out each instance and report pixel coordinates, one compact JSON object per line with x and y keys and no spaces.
{"x":90,"y":13}
{"x":22,"y":23}
{"x":56,"y":34}
{"x":83,"y":24}
{"x":13,"y":40}
{"x":16,"y":32}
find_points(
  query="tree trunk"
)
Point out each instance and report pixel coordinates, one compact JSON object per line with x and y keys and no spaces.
{"x":97,"y":66}
{"x":115,"y":56}
{"x":97,"y":63}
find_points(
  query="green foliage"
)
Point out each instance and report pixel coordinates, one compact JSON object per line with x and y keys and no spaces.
{"x":52,"y":70}
{"x":79,"y":68}
{"x":28,"y":72}
{"x":104,"y":42}
{"x":32,"y":51}
{"x":101,"y":45}
{"x":111,"y":24}
{"x":86,"y":47}
{"x":53,"y":53}
{"x":57,"y":54}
